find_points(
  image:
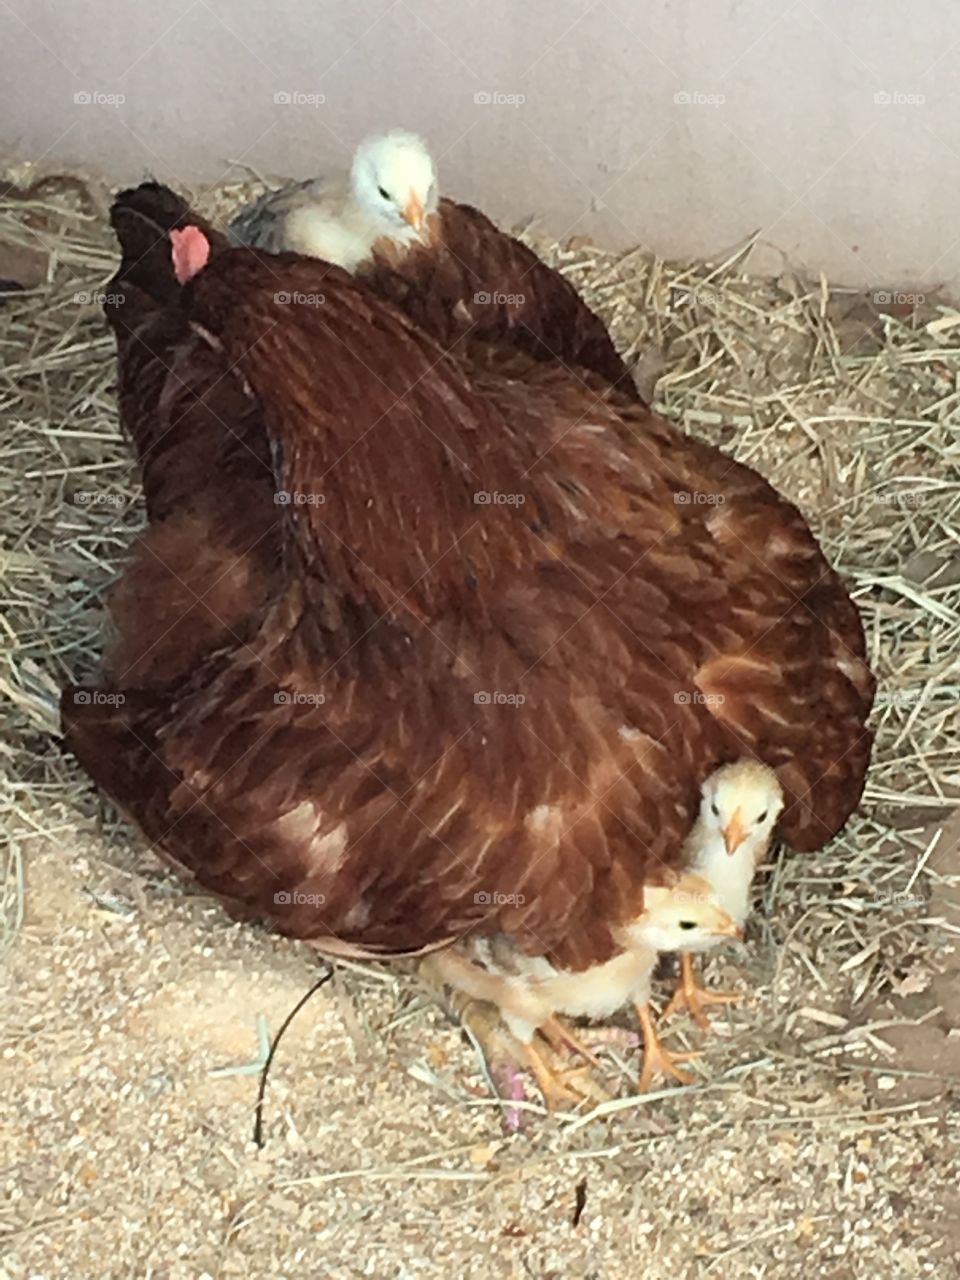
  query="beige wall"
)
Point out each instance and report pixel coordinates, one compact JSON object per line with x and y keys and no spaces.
{"x":784,"y":130}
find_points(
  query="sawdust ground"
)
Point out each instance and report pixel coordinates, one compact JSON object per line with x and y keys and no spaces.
{"x":127,"y":1158}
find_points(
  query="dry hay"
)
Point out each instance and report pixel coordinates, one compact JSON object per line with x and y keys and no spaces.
{"x":850,"y":407}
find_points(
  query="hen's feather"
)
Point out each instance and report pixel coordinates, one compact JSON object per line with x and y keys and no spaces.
{"x":473,"y":280}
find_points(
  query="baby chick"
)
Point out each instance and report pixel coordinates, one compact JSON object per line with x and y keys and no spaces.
{"x":391,"y":193}
{"x":739,"y":807}
{"x":529,"y":992}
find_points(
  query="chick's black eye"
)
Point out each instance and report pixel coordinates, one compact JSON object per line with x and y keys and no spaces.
{"x":384,"y":193}
{"x":763,"y":816}
{"x":688,"y":924}
{"x":715,"y":810}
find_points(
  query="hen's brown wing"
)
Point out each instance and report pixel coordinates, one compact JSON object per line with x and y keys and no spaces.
{"x":717,"y":584}
{"x":474,"y":279}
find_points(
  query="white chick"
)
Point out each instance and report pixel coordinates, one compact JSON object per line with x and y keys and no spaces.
{"x":391,"y":194}
{"x":530,"y":992}
{"x":739,"y":807}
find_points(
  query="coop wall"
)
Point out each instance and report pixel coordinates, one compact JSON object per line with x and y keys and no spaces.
{"x":676,"y":125}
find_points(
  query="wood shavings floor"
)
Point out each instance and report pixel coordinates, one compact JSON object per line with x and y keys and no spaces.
{"x":822,"y":1135}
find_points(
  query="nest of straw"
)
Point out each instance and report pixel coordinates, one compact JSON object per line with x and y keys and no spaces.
{"x":849,"y":404}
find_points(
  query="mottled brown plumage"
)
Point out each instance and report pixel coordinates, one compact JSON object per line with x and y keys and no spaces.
{"x":338,"y":746}
{"x":470,"y":279}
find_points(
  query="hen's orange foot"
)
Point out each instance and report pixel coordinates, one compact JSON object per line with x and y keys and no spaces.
{"x":656,"y":1059}
{"x":690,"y":995}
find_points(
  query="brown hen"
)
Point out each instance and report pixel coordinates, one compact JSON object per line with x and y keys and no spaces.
{"x":421,"y":643}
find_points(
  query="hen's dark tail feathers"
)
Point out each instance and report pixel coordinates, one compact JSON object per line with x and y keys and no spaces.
{"x":143,"y":217}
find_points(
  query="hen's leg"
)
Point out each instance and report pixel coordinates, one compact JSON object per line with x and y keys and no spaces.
{"x":473,"y":998}
{"x":657,"y":1059}
{"x":499,"y":1051}
{"x":690,"y":995}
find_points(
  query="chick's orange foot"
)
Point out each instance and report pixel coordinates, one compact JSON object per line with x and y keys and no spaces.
{"x":656,"y":1059}
{"x":563,"y":1039}
{"x":690,"y":995}
{"x":562,"y":1089}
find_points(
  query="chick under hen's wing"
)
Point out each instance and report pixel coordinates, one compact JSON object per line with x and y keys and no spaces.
{"x":504,"y":1057}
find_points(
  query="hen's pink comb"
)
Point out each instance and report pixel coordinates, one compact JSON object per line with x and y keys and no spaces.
{"x":191,"y":252}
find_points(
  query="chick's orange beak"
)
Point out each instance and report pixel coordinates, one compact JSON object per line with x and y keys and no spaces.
{"x":734,"y":832}
{"x":413,"y":213}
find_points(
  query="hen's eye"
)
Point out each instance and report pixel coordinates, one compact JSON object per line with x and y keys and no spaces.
{"x":688,"y":924}
{"x":384,"y":193}
{"x":763,"y":816}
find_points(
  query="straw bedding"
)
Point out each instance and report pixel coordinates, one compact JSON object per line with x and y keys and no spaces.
{"x":819,"y":1136}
